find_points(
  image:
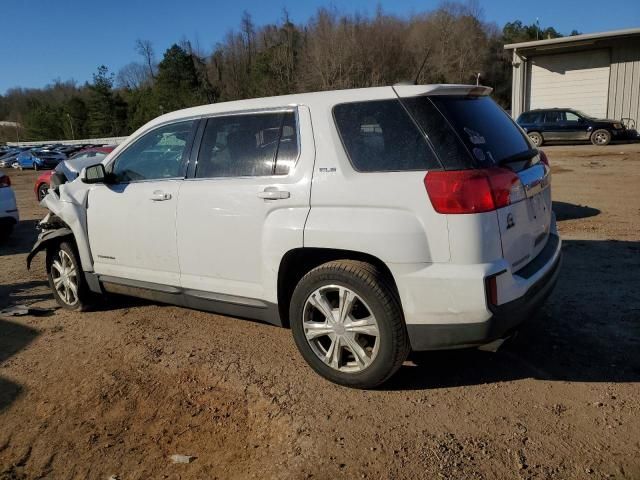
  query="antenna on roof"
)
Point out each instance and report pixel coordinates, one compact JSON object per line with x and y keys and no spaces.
{"x":424,"y":62}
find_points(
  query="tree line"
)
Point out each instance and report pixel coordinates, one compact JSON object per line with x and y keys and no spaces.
{"x":451,"y":44}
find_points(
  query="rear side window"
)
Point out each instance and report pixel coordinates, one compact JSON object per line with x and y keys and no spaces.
{"x":380,"y":136}
{"x":260,"y":144}
{"x":531,"y":117}
{"x":553,"y":117}
{"x":485,"y":129}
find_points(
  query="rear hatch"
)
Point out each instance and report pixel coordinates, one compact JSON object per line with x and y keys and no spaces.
{"x":470,"y":132}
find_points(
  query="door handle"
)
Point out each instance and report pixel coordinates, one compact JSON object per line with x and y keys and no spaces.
{"x":274,"y":193}
{"x":160,"y":196}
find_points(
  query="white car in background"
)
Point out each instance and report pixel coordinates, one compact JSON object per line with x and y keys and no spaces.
{"x":371,"y":221}
{"x":8,"y":208}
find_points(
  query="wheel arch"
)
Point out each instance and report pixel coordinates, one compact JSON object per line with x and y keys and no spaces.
{"x":296,"y":263}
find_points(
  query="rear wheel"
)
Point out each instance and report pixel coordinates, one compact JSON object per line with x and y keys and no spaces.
{"x":536,"y":138}
{"x":601,"y":137}
{"x":66,"y":278}
{"x":348,"y":324}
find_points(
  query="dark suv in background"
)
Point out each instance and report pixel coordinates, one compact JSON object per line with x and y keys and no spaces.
{"x":566,"y":125}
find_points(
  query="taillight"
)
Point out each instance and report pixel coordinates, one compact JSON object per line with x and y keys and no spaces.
{"x":473,"y":191}
{"x":5,"y":181}
{"x":543,"y":157}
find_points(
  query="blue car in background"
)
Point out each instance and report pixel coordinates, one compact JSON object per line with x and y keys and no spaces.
{"x":39,"y":159}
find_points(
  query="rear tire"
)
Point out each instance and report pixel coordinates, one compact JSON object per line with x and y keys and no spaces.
{"x":66,"y":277}
{"x":348,"y":324}
{"x":601,"y":137}
{"x":536,"y":139}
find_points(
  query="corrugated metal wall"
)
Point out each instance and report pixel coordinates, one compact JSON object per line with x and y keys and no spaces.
{"x":624,"y":81}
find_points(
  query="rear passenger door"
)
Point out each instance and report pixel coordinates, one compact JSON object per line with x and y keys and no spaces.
{"x":552,"y":129}
{"x":244,"y":204}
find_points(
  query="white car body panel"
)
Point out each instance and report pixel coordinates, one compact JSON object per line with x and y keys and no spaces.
{"x":145,"y":249}
{"x":8,"y":207}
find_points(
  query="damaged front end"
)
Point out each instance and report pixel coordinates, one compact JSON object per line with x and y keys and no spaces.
{"x":51,"y":228}
{"x":66,"y":203}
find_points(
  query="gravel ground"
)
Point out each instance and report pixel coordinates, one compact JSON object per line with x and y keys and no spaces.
{"x":119,"y":390}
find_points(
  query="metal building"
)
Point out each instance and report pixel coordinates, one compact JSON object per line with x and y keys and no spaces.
{"x":597,"y":73}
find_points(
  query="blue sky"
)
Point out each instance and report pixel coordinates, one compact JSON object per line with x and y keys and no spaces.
{"x":47,"y":39}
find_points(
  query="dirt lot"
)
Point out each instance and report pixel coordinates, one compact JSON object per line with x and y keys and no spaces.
{"x":118,"y":390}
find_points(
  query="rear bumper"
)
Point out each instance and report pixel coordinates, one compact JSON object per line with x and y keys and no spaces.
{"x":8,"y":209}
{"x":481,"y":323}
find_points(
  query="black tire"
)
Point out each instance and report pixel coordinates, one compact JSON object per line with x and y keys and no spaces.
{"x":368,"y":283}
{"x":536,"y":138}
{"x":81,"y":301}
{"x":601,"y":137}
{"x":43,"y":189}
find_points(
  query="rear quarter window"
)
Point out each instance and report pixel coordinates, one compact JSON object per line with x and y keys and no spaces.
{"x":380,"y":136}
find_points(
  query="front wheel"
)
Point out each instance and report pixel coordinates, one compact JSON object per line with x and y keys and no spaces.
{"x":43,"y":190}
{"x":66,"y":278}
{"x":601,"y":137}
{"x":348,"y":324}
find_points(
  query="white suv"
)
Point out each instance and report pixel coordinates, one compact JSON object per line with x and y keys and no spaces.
{"x":370,"y":221}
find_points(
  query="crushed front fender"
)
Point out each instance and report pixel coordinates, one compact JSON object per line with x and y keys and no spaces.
{"x":44,"y":238}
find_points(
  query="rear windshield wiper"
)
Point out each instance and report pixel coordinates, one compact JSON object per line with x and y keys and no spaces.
{"x":519,"y":157}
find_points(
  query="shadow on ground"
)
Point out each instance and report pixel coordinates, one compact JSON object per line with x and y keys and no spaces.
{"x":21,"y":240}
{"x":589,"y":330}
{"x":13,"y":338}
{"x":13,"y":294}
{"x":570,"y":211}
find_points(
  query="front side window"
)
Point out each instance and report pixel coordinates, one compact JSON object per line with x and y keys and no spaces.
{"x":572,"y":117}
{"x":251,"y":145}
{"x":380,"y":136}
{"x":156,"y":155}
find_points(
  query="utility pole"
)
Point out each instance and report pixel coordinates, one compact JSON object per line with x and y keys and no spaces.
{"x":73,"y":136}
{"x":478,"y":78}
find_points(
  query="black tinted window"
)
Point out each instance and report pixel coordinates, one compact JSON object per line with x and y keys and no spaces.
{"x":530,"y":117}
{"x":380,"y":136}
{"x":486,"y":130}
{"x":247,"y":145}
{"x":553,"y":117}
{"x":447,"y":145}
{"x":157,"y":154}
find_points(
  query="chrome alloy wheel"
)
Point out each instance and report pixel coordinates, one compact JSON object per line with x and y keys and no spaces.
{"x":601,"y":138}
{"x":341,"y":328}
{"x":65,"y":278}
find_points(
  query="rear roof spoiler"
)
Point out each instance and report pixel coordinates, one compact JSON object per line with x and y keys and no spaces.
{"x":442,"y":89}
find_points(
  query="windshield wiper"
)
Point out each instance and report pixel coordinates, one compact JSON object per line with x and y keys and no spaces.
{"x":519,"y":157}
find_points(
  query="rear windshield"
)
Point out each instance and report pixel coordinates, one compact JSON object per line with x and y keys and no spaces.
{"x":488,"y":134}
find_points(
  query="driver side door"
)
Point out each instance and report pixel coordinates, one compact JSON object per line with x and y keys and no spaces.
{"x":132,"y":220}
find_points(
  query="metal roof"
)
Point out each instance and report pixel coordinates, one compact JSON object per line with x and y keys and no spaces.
{"x":574,"y":39}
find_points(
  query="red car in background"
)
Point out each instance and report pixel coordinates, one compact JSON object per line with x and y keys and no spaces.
{"x":71,"y":168}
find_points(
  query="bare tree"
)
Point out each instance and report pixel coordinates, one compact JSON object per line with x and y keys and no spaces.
{"x":145,"y":50}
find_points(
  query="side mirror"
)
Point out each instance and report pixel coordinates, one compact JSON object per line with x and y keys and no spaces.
{"x":93,"y":174}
